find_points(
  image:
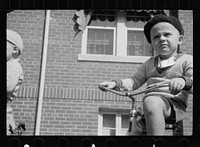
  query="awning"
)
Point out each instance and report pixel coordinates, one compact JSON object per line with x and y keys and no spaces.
{"x":83,"y":17}
{"x":102,"y":4}
{"x":135,"y":15}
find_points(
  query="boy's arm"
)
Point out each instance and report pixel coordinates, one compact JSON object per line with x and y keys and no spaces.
{"x":136,"y":81}
{"x":188,"y":83}
{"x":188,"y":74}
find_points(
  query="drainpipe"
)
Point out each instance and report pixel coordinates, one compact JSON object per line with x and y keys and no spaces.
{"x":42,"y":75}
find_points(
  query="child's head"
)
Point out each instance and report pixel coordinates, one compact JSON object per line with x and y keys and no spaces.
{"x":165,"y":33}
{"x":14,"y":44}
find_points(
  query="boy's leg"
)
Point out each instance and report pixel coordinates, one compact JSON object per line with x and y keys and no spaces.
{"x":156,"y":111}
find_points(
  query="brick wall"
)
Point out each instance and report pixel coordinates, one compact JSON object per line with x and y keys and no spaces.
{"x":71,"y":97}
{"x":186,"y":18}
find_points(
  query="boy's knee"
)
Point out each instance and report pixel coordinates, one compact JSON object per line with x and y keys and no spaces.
{"x":155,"y":105}
{"x":153,"y":101}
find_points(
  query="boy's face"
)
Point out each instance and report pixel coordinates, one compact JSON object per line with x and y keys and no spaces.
{"x":9,"y":50}
{"x":12,"y":51}
{"x":165,"y":39}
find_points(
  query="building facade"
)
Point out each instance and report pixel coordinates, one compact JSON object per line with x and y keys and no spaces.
{"x":111,"y":47}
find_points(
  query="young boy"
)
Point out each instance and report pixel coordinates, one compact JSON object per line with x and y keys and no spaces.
{"x":14,"y":74}
{"x":165,"y":34}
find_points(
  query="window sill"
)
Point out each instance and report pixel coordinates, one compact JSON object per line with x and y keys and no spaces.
{"x":111,"y":58}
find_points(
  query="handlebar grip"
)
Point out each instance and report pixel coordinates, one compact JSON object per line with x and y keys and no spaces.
{"x":101,"y":87}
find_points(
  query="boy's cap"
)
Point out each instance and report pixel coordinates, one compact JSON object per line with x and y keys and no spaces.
{"x":15,"y":38}
{"x":162,"y":18}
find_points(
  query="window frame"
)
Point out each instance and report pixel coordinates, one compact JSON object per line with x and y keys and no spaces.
{"x":120,"y":48}
{"x":118,"y":118}
{"x":85,"y":36}
{"x":137,"y":29}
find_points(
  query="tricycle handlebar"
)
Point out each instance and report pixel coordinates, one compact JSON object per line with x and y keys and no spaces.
{"x":130,"y":94}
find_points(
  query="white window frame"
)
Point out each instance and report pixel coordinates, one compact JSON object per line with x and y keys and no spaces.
{"x":85,"y":35}
{"x":120,"y":44}
{"x":136,"y":29}
{"x":118,"y":126}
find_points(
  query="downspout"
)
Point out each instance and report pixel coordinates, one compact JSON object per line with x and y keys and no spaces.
{"x":42,"y":75}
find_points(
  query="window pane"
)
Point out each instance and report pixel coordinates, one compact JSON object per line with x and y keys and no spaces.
{"x":111,"y":132}
{"x":109,"y":120}
{"x":100,"y":41}
{"x":137,"y":44}
{"x":125,"y":121}
{"x":109,"y":124}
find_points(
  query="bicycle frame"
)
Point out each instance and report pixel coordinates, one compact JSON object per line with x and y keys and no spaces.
{"x":136,"y":121}
{"x":18,"y":130}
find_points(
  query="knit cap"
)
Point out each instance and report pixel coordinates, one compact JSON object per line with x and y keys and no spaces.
{"x":162,"y":18}
{"x":15,"y":38}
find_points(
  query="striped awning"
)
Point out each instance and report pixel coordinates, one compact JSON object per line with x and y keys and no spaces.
{"x":132,"y":4}
{"x":82,"y":18}
{"x":100,"y":4}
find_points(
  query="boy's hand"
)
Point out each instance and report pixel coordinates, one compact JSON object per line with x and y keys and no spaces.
{"x":109,"y":85}
{"x":176,"y":85}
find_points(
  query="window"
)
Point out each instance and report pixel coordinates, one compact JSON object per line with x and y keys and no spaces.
{"x":109,"y":124}
{"x":113,"y":123}
{"x":100,"y":41}
{"x":137,"y":44}
{"x":116,"y":36}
